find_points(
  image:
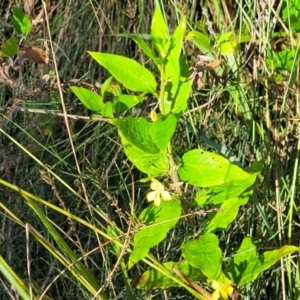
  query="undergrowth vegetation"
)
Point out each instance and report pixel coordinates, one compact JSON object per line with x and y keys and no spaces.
{"x":149,"y":149}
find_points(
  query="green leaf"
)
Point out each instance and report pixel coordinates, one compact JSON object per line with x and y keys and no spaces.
{"x":184,"y":89}
{"x":244,"y":38}
{"x":231,"y":189}
{"x":88,"y":98}
{"x":221,"y":149}
{"x":159,"y":31}
{"x":228,"y":212}
{"x":106,"y":86}
{"x":227,"y":43}
{"x":172,"y":66}
{"x":224,"y":37}
{"x":152,"y":164}
{"x":10,"y":48}
{"x":162,"y":130}
{"x":151,"y":137}
{"x":137,"y":132}
{"x":291,"y":13}
{"x":124,"y":102}
{"x":107,"y":110}
{"x":228,"y":47}
{"x":201,"y":40}
{"x":153,"y":279}
{"x":204,"y":254}
{"x":284,"y":60}
{"x":205,"y":169}
{"x":232,"y":195}
{"x":142,"y":44}
{"x":246,"y":264}
{"x":127,"y":71}
{"x":256,"y":167}
{"x":159,"y":220}
{"x":21,"y":21}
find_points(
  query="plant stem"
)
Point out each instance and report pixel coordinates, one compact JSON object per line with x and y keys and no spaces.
{"x":175,"y":180}
{"x":173,"y":168}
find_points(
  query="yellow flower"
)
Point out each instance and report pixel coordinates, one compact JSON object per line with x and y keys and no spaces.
{"x":153,"y":116}
{"x":158,"y":192}
{"x":221,"y":289}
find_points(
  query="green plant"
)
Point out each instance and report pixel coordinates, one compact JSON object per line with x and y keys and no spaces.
{"x":221,"y":187}
{"x":147,"y":143}
{"x":22,"y":24}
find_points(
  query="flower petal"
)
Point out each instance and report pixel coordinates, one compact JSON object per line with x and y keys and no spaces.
{"x":157,"y":199}
{"x":160,"y":186}
{"x":226,"y":290}
{"x":214,"y":284}
{"x":215,"y":295}
{"x":166,"y":195}
{"x":154,"y":184}
{"x":151,"y":196}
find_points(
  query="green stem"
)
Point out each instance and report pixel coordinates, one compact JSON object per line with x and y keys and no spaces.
{"x":175,"y":180}
{"x":173,"y":168}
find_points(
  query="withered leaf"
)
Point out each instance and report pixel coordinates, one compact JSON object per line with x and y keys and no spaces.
{"x":35,"y":54}
{"x":28,"y":6}
{"x":5,"y":77}
{"x":213,"y":65}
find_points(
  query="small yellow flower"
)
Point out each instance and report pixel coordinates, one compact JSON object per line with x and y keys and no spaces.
{"x":221,"y":289}
{"x":158,"y":192}
{"x":153,"y":116}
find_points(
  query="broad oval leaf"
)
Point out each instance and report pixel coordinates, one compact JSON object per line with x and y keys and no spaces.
{"x":137,"y":132}
{"x":10,"y":48}
{"x":21,"y":21}
{"x":124,"y":102}
{"x":88,"y":98}
{"x":205,"y":169}
{"x":246,"y":264}
{"x":162,"y":130}
{"x":159,"y":220}
{"x":226,"y":214}
{"x":127,"y":71}
{"x":204,"y":254}
{"x":153,"y":165}
{"x":151,"y":137}
{"x":201,"y":40}
{"x":221,"y":193}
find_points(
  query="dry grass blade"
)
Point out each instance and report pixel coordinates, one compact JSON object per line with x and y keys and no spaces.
{"x":28,"y":6}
